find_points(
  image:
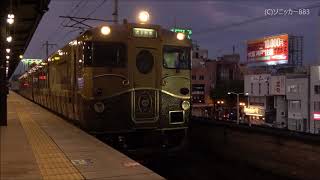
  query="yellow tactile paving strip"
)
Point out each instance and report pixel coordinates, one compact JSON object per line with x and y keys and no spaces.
{"x":52,"y":162}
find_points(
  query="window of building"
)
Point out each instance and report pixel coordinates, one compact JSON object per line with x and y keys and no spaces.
{"x":194,"y":77}
{"x":197,"y":55}
{"x":198,"y":89}
{"x":201,"y":77}
{"x":251,"y":88}
{"x":259,"y":88}
{"x":292,"y":88}
{"x":317,"y":89}
{"x":295,"y":105}
{"x":316,"y":105}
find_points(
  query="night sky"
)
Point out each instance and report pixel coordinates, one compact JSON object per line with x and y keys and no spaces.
{"x":205,"y":18}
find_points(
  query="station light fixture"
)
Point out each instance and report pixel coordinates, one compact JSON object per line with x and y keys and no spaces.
{"x":9,"y":39}
{"x":21,"y":56}
{"x":144,"y":17}
{"x":10,"y":19}
{"x":181,"y":36}
{"x":8,"y":50}
{"x":10,"y":16}
{"x":7,"y":57}
{"x":105,"y":30}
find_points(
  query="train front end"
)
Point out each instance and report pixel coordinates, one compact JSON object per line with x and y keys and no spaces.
{"x":137,"y":84}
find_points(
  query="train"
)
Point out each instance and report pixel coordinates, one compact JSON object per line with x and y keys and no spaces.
{"x":130,"y":81}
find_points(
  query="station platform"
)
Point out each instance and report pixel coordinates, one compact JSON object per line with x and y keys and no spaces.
{"x":38,"y":144}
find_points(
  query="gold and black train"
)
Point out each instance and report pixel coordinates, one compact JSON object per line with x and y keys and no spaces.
{"x":126,"y":80}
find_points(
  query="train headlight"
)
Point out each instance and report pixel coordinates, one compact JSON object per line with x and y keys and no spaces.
{"x":105,"y":30}
{"x":181,"y":36}
{"x":99,"y":107}
{"x":144,"y":17}
{"x":185,"y":105}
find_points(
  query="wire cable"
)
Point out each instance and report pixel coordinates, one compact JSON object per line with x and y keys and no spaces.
{"x":223,"y":27}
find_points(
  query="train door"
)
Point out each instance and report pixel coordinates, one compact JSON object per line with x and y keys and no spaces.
{"x":145,"y":97}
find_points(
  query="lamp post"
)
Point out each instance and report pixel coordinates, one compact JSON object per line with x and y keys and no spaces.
{"x":249,"y":121}
{"x":238,"y":105}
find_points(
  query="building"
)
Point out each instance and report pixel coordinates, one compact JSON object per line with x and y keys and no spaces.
{"x":297,"y":94}
{"x":287,"y":98}
{"x":260,"y":101}
{"x":203,"y":79}
{"x":208,"y":75}
{"x":315,"y":99}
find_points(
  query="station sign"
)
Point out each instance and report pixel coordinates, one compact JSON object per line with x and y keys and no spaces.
{"x":31,"y":61}
{"x":266,"y":51}
{"x":187,"y":32}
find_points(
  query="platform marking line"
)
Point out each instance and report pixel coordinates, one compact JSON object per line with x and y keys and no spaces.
{"x":52,"y":162}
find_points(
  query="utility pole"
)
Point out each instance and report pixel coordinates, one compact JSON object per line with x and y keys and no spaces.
{"x":47,"y":45}
{"x":115,"y":12}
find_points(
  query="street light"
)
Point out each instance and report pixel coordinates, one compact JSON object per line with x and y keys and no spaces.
{"x":238,"y":105}
{"x":247,"y":94}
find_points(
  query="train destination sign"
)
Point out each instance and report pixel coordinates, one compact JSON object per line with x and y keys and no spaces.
{"x":271,"y":50}
{"x":144,"y":32}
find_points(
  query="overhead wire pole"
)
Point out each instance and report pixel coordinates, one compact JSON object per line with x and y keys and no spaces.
{"x":47,"y":45}
{"x":115,"y":12}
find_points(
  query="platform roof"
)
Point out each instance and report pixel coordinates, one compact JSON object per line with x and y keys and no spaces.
{"x":28,"y":14}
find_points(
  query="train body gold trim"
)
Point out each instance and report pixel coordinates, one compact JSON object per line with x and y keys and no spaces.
{"x":135,"y":89}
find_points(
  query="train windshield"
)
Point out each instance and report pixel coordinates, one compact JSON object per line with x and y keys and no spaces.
{"x":176,"y":57}
{"x":105,"y":54}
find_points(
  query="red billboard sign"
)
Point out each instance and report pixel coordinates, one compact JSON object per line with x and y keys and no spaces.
{"x":271,"y":50}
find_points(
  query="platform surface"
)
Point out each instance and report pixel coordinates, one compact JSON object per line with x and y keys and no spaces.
{"x":38,"y":144}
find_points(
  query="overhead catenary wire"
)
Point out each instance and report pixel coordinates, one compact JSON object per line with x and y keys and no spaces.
{"x":59,"y":28}
{"x":88,"y":15}
{"x":260,"y":18}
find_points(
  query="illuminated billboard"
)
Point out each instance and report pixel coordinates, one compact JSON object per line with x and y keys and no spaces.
{"x":271,"y":50}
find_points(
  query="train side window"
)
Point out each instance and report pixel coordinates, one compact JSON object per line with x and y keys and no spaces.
{"x":176,"y":57}
{"x":109,"y":54}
